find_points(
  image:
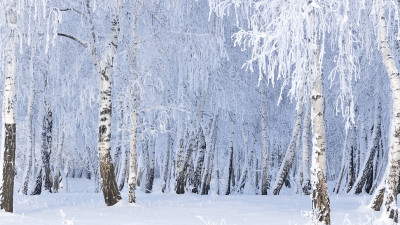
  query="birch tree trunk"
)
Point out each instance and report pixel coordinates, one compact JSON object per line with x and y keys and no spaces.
{"x":205,"y":181}
{"x":109,"y":184}
{"x":200,"y":161}
{"x":57,"y":169}
{"x":391,"y":180}
{"x":230,"y":155}
{"x":46,"y":148}
{"x":166,"y":167}
{"x":180,"y":164}
{"x":344,"y":163}
{"x":320,"y":197}
{"x":290,"y":152}
{"x":134,"y":114}
{"x":305,"y":143}
{"x":366,"y":169}
{"x":351,"y":161}
{"x":264,"y":182}
{"x":7,"y":153}
{"x":28,"y":168}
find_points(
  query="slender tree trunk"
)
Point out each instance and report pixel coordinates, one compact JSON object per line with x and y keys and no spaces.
{"x":7,"y":152}
{"x":134,"y":114}
{"x":320,"y":197}
{"x":290,"y":152}
{"x":200,"y":161}
{"x":230,"y":154}
{"x":166,"y":162}
{"x":391,"y":180}
{"x":305,"y":143}
{"x":264,"y":182}
{"x":205,"y":182}
{"x":28,"y":168}
{"x":58,"y":165}
{"x":351,"y":171}
{"x":151,"y":160}
{"x":46,"y":148}
{"x":180,"y":163}
{"x":366,"y":169}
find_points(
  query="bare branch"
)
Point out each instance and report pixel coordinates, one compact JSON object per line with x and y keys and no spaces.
{"x":84,"y":44}
{"x":71,"y":9}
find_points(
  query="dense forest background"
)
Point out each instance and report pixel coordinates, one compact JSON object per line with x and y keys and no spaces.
{"x":198,"y":92}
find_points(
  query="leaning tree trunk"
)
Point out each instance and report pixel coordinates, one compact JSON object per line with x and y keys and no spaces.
{"x":7,"y":152}
{"x":320,"y":197}
{"x":391,"y":180}
{"x":290,"y":152}
{"x":373,"y":146}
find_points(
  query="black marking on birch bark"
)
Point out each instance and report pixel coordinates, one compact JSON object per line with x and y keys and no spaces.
{"x":7,"y":190}
{"x":316,"y":97}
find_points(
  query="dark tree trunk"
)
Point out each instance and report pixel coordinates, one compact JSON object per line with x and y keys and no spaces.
{"x":38,"y":185}
{"x":8,"y":168}
{"x":46,"y":149}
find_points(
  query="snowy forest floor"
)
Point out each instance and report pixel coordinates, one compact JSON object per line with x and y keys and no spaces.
{"x":82,"y":206}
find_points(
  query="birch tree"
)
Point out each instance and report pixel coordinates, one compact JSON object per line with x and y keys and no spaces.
{"x":8,"y":146}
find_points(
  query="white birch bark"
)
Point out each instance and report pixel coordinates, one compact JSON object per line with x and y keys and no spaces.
{"x":28,"y":168}
{"x":230,"y":154}
{"x":393,"y":168}
{"x":320,"y":197}
{"x":134,"y":114}
{"x":290,"y":152}
{"x":264,"y":182}
{"x":305,"y":143}
{"x":373,"y":146}
{"x":7,"y":152}
{"x":344,"y":163}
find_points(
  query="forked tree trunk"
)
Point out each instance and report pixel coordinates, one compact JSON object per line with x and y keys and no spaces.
{"x":320,"y":197}
{"x":391,"y":180}
{"x":290,"y":152}
{"x":373,"y":146}
{"x":7,"y":152}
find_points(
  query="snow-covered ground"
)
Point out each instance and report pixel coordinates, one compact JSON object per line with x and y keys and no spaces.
{"x":81,"y":206}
